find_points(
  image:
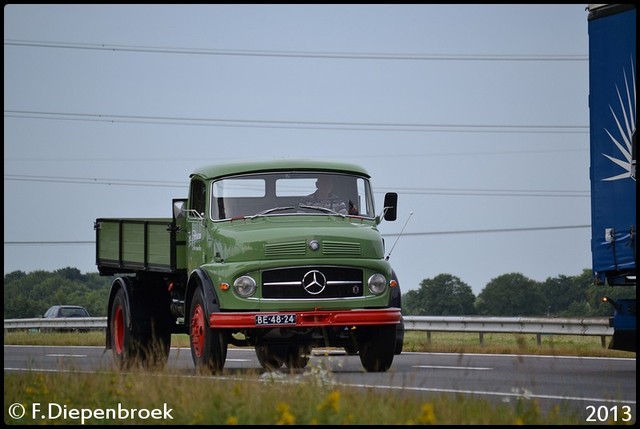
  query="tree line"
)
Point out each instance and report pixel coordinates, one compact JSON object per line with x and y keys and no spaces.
{"x":29,"y":295}
{"x":514,"y":294}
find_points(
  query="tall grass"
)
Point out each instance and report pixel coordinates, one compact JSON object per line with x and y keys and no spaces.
{"x":308,"y":398}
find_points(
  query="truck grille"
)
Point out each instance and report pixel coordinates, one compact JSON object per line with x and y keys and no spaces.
{"x":294,"y":248}
{"x":312,"y":283}
{"x":299,"y":248}
{"x":341,"y":248}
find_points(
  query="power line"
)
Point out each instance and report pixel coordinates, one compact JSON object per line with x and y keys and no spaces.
{"x":295,"y":54}
{"x":479,"y":231}
{"x":489,"y":192}
{"x":93,"y":181}
{"x":361,"y":156}
{"x":259,"y":123}
{"x":476,"y":231}
{"x":402,"y":190}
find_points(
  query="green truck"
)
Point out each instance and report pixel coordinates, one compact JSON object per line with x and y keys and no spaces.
{"x":256,"y":257}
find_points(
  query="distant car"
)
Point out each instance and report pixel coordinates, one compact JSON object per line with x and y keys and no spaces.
{"x":57,"y":311}
{"x":66,"y":311}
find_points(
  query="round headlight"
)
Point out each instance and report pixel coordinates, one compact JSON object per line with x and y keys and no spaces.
{"x":245,"y":286}
{"x":377,"y":284}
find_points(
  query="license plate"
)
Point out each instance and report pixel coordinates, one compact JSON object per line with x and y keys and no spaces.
{"x":276,"y":319}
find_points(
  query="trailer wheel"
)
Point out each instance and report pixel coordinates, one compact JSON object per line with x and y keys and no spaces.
{"x":377,"y":347}
{"x":208,"y":346}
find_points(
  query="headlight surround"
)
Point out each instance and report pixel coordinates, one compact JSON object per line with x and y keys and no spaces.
{"x":244,"y":286}
{"x":377,"y":284}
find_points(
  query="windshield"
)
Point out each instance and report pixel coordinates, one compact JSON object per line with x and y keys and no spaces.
{"x":285,"y":193}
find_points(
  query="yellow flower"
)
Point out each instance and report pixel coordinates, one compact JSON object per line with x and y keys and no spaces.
{"x":286,"y":418}
{"x":331,"y":403}
{"x":427,"y":415}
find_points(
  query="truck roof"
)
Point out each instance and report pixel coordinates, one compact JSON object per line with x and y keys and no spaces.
{"x":213,"y":171}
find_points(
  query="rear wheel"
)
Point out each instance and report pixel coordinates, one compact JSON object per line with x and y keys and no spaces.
{"x":127,"y":349}
{"x":134,"y":342}
{"x":208,"y":346}
{"x":120,"y":335}
{"x":155,"y":349}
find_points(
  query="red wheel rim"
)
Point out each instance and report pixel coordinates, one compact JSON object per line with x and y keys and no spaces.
{"x":197,"y":330}
{"x":118,"y":330}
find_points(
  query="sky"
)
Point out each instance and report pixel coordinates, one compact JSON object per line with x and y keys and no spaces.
{"x":476,"y":115}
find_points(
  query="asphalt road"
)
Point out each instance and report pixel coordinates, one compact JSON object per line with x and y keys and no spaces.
{"x":586,"y":384}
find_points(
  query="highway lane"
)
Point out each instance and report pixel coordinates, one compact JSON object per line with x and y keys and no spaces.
{"x":581,"y":383}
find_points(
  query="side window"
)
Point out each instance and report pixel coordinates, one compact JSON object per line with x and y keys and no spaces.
{"x":365,"y":198}
{"x":197,"y":197}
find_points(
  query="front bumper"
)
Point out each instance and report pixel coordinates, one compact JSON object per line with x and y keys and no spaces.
{"x":308,"y":318}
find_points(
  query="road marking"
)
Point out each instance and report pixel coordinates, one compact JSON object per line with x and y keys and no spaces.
{"x":466,"y":368}
{"x":64,"y":355}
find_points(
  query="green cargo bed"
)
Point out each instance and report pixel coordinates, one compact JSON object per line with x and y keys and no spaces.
{"x":132,"y":245}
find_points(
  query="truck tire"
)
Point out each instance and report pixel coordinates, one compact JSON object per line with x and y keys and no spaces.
{"x":208,"y":346}
{"x":377,"y":346}
{"x":132,"y":346}
{"x":297,"y":357}
{"x":124,"y":353}
{"x":155,"y":349}
{"x":270,"y":357}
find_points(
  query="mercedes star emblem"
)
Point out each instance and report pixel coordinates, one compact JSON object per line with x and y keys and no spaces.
{"x":314,"y":282}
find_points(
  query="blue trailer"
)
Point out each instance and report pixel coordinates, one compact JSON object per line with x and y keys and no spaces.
{"x":612,"y":117}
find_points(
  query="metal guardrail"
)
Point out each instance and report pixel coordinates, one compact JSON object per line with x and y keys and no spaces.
{"x":598,"y":326}
{"x":474,"y":324}
{"x":57,"y":323}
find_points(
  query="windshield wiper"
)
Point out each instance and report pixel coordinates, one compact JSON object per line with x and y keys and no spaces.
{"x":322,"y":209}
{"x":274,"y":209}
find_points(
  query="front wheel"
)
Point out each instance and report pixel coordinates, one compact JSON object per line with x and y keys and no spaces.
{"x":208,"y":346}
{"x":377,"y":347}
{"x":297,"y":357}
{"x":271,"y":358}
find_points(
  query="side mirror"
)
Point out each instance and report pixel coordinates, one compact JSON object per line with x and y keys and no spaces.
{"x":390,"y":212}
{"x":179,"y":211}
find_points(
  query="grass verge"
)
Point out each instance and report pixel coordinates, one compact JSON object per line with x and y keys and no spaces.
{"x":310,"y":398}
{"x":437,"y":342}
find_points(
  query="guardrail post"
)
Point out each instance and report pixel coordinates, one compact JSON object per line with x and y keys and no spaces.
{"x":539,"y":339}
{"x":481,"y":334}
